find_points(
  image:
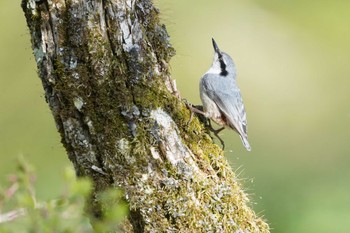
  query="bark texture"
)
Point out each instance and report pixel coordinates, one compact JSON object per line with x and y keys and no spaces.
{"x":104,"y":69}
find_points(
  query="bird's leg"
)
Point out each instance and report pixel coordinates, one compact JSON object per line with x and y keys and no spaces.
{"x":203,"y":117}
{"x":216,"y":133}
{"x":196,"y":109}
{"x":221,"y":141}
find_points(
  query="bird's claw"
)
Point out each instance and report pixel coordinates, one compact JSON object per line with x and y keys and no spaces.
{"x":189,"y":106}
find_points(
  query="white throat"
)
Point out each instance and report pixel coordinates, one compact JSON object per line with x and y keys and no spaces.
{"x":214,"y":69}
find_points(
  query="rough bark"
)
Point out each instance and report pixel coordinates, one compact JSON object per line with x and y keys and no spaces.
{"x":104,"y":69}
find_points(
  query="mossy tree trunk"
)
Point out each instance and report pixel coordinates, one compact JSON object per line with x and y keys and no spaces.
{"x":104,"y":69}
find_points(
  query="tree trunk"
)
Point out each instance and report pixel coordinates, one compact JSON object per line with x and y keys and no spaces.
{"x":104,"y":69}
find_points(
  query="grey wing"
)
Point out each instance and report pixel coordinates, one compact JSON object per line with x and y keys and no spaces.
{"x":233,"y":108}
{"x":227,"y":97}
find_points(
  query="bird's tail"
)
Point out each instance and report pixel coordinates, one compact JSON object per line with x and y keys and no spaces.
{"x":245,"y":143}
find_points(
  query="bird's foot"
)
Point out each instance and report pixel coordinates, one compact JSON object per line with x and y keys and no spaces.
{"x":216,"y":133}
{"x":196,"y":109}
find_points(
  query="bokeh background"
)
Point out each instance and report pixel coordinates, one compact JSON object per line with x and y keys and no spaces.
{"x":294,"y":74}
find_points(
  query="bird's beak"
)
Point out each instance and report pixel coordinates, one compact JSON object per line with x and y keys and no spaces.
{"x":216,"y":48}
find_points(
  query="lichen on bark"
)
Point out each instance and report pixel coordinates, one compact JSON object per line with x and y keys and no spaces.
{"x":104,"y":69}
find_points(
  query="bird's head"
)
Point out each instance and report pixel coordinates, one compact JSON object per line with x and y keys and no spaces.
{"x":222,"y":63}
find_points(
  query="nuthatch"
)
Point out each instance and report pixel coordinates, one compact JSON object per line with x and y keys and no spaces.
{"x":221,"y":97}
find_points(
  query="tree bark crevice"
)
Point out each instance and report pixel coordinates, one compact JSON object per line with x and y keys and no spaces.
{"x":105,"y":73}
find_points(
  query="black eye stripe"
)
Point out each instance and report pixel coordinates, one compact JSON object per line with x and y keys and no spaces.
{"x":223,"y":67}
{"x":222,"y":64}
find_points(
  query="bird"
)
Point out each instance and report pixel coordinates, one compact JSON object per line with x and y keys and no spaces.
{"x":221,"y":98}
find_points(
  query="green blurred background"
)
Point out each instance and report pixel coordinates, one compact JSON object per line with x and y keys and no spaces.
{"x":293,"y":71}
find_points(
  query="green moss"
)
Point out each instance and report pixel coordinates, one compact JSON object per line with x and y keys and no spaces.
{"x":232,"y":202}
